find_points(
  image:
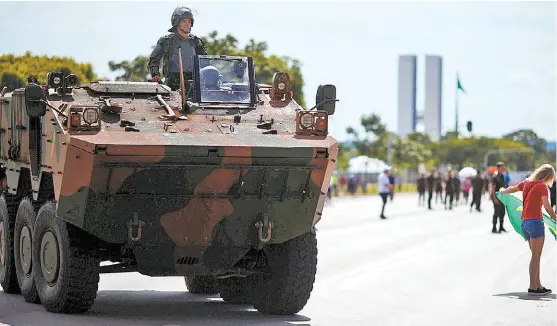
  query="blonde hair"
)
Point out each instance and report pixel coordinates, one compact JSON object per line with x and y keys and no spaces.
{"x":545,"y":174}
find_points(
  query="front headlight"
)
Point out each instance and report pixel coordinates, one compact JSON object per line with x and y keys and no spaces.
{"x":306,"y":120}
{"x":90,"y":115}
{"x":312,"y":123}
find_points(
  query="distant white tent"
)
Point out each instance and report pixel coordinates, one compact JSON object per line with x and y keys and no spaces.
{"x":364,"y":164}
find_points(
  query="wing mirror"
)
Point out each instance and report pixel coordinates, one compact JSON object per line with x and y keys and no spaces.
{"x":35,"y":100}
{"x":325,"y":98}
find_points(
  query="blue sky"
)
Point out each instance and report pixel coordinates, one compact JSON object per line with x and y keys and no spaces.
{"x":504,"y":52}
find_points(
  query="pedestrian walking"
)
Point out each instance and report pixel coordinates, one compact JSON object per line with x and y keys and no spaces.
{"x":421,"y":183}
{"x":457,"y":188}
{"x":498,"y":182}
{"x":450,"y":189}
{"x":439,"y":187}
{"x":478,"y":186}
{"x":535,"y":194}
{"x":431,"y":186}
{"x":384,"y":187}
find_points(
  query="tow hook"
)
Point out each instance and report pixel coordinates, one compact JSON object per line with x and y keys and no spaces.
{"x":260,"y":225}
{"x":135,"y":223}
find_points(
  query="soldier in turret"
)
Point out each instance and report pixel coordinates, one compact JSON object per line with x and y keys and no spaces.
{"x":167,"y":50}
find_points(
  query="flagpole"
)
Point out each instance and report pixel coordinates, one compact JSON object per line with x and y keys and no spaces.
{"x":456,"y":108}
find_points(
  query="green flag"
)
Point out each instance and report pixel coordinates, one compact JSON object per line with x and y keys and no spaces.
{"x":514,"y":211}
{"x":459,"y":85}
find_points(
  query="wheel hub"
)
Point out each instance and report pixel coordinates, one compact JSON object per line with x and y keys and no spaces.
{"x":50,"y":259}
{"x":2,"y":243}
{"x":25,"y":249}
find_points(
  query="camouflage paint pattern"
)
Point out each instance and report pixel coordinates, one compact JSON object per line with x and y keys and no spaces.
{"x":197,"y":186}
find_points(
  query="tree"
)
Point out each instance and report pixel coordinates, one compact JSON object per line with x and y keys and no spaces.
{"x":11,"y":80}
{"x":458,"y":152}
{"x":16,"y":69}
{"x":133,"y":71}
{"x":343,"y":157}
{"x":370,"y":142}
{"x":265,"y":65}
{"x":408,"y":153}
{"x":376,"y":141}
{"x":419,"y":137}
{"x":530,"y":138}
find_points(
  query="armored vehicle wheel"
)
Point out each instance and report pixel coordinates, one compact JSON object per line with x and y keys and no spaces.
{"x":201,"y":284}
{"x":237,"y":290}
{"x":287,"y":288}
{"x":23,"y":231}
{"x":8,"y":278}
{"x":66,"y":270}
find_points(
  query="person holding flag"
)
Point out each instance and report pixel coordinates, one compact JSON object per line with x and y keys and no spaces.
{"x":535,"y":193}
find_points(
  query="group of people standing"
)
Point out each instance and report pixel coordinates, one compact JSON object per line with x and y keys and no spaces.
{"x":448,"y":189}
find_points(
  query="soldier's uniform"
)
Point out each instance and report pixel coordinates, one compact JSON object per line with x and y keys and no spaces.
{"x":421,"y":190}
{"x":431,"y":185}
{"x":167,"y":51}
{"x":450,"y":185}
{"x":498,"y":182}
{"x":477,"y":192}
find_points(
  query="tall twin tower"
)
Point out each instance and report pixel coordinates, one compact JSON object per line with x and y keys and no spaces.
{"x":408,"y":116}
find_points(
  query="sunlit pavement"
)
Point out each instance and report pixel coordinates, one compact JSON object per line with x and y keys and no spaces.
{"x":417,"y":267}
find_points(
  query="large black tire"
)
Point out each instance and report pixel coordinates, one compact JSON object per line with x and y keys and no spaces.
{"x":8,"y":278}
{"x":237,"y":290}
{"x":293,"y":265}
{"x":72,"y":269}
{"x":201,"y":284}
{"x":23,"y":247}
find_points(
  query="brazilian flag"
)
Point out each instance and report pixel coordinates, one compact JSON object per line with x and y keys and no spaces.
{"x":514,"y":211}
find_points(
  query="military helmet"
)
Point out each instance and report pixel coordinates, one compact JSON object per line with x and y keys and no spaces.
{"x":179,"y":14}
{"x":210,"y":77}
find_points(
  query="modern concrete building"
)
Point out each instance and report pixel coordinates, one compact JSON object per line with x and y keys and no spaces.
{"x":407,"y":71}
{"x":433,"y":96}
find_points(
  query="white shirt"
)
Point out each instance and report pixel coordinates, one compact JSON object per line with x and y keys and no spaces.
{"x":382,"y":183}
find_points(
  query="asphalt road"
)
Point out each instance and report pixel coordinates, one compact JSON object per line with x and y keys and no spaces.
{"x":418,"y":267}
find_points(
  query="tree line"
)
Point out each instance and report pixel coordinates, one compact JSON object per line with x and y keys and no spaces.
{"x":373,"y":139}
{"x":14,"y":70}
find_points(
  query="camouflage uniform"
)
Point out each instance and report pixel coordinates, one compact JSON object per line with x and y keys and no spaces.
{"x":167,"y":51}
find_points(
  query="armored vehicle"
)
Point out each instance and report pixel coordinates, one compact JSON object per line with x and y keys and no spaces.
{"x":221,"y":181}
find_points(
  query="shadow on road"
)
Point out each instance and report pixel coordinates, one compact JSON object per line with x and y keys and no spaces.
{"x":181,"y":308}
{"x":113,"y":308}
{"x":525,"y":296}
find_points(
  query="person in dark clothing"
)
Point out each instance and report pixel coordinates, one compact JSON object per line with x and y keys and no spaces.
{"x":431,"y":182}
{"x":166,"y":50}
{"x":439,"y":187}
{"x":450,"y":185}
{"x":456,"y":189}
{"x":421,"y":183}
{"x":3,"y":179}
{"x":477,"y":191}
{"x":498,"y":182}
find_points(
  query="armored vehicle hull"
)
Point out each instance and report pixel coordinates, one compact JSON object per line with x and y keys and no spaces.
{"x":226,"y":194}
